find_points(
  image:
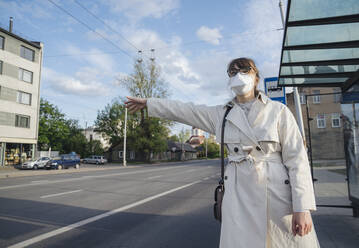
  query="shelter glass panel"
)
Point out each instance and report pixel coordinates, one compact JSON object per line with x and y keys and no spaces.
{"x":319,"y":54}
{"x":292,"y":70}
{"x":350,"y":120}
{"x":309,"y":9}
{"x":322,"y":34}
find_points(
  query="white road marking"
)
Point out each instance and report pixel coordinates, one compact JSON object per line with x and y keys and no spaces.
{"x":97,"y":217}
{"x":87,"y":177}
{"x":155,"y":177}
{"x":63,"y":193}
{"x":40,"y":181}
{"x":190,"y":170}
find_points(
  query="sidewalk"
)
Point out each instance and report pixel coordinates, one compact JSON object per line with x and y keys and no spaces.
{"x":13,"y":172}
{"x":335,"y":227}
{"x":6,"y":172}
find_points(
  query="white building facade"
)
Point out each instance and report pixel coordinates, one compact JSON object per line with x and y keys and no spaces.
{"x":20,"y":72}
{"x":91,"y":134}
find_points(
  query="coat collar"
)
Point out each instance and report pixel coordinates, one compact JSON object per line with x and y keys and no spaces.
{"x":261,"y":97}
{"x":246,"y":123}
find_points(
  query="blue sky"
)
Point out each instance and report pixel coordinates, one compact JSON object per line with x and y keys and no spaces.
{"x":193,"y":42}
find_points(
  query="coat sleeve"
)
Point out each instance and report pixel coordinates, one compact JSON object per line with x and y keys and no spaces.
{"x":200,"y":116}
{"x":296,"y":160}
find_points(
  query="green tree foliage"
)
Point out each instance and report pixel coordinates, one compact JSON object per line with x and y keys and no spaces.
{"x":184,"y":135}
{"x":213,"y":150}
{"x":174,"y":138}
{"x":63,"y":135}
{"x":110,"y":121}
{"x":146,"y":134}
{"x":53,"y":128}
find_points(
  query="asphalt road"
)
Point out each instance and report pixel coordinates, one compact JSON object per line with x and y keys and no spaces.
{"x":152,"y":206}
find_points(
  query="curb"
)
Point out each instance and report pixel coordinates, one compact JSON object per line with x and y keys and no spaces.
{"x":55,"y":172}
{"x":11,"y":173}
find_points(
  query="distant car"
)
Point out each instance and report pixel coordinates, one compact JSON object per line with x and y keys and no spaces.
{"x":64,"y":161}
{"x":36,"y":164}
{"x":95,"y":160}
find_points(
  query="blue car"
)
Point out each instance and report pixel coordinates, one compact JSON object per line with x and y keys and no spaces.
{"x":64,"y":161}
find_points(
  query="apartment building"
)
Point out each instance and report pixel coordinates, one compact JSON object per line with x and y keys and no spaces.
{"x":91,"y":134}
{"x":20,"y":70}
{"x":325,"y":122}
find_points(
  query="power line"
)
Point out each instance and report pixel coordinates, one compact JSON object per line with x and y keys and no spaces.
{"x":165,"y":47}
{"x":99,"y":19}
{"x":91,"y":29}
{"x":223,"y":37}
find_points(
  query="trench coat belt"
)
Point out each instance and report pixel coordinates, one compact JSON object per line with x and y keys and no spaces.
{"x":255,"y":160}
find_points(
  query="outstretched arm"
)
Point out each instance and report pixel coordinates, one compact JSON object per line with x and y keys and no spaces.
{"x":200,"y":116}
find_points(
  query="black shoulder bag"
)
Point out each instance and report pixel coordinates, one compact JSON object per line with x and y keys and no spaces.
{"x":219,"y":192}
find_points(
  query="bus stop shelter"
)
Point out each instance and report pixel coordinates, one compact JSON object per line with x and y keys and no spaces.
{"x":319,"y":35}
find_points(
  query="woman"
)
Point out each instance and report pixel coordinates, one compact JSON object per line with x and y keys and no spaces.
{"x":268,"y":186}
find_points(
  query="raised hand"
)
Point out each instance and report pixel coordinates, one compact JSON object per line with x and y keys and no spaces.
{"x":135,"y":103}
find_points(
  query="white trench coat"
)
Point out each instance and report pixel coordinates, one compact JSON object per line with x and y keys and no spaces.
{"x":268,"y":174}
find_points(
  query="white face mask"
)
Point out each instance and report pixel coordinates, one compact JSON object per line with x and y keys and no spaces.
{"x":241,"y":84}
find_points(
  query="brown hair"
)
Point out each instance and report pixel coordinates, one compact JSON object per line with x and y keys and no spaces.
{"x":242,"y":62}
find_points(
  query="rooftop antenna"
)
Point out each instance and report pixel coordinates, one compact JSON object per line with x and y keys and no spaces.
{"x":139,"y":59}
{"x":152,"y":58}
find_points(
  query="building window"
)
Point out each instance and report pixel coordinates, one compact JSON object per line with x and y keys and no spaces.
{"x":2,"y":42}
{"x":316,"y":99}
{"x":302,"y":98}
{"x":1,"y":63}
{"x":120,"y":154}
{"x":337,"y":96}
{"x":24,"y":98}
{"x":27,"y":53}
{"x":22,"y":121}
{"x":335,"y":120}
{"x":321,"y":121}
{"x":25,"y":75}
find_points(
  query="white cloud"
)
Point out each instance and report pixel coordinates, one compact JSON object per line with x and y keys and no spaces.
{"x":93,"y":57}
{"x":83,"y":84}
{"x":210,"y":35}
{"x":136,"y":10}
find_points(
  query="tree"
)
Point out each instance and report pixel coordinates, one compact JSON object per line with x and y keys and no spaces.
{"x":53,"y":128}
{"x":213,"y":149}
{"x":184,"y":135}
{"x":76,"y":140}
{"x":63,"y":135}
{"x":146,"y":135}
{"x":110,"y":121}
{"x":174,"y":138}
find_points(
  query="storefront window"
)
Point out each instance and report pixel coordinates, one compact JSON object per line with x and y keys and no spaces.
{"x":16,"y":153}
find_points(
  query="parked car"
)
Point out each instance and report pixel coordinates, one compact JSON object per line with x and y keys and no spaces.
{"x":35,"y":164}
{"x":64,"y":162}
{"x":94,"y":159}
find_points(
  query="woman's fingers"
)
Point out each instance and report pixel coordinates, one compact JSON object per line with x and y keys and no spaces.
{"x":135,"y":103}
{"x":294,"y":226}
{"x":301,"y":223}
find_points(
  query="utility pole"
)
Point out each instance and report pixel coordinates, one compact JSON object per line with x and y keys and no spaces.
{"x":124,"y":140}
{"x":298,"y":108}
{"x":206,"y":144}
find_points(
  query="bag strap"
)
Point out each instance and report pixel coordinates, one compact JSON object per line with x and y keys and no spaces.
{"x":229,"y":107}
